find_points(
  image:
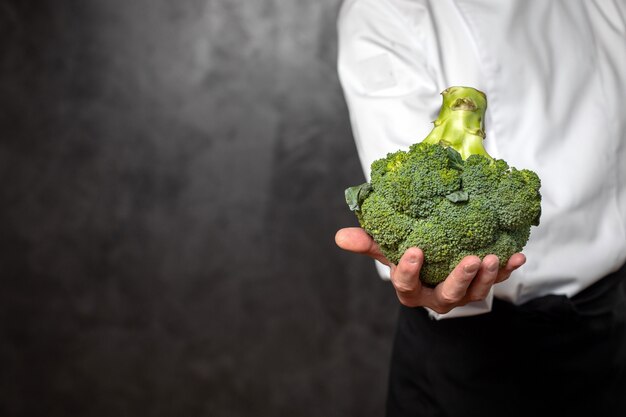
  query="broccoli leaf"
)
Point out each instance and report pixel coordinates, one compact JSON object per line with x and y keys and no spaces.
{"x":456,"y":161}
{"x":458,"y":196}
{"x":357,"y":194}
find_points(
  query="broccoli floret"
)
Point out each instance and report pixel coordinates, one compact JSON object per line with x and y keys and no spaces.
{"x":430,"y":236}
{"x":432,"y":273}
{"x":387,"y":226}
{"x":468,"y":225}
{"x":411,"y":181}
{"x":447,"y":195}
{"x":481,"y":175}
{"x":519,"y":203}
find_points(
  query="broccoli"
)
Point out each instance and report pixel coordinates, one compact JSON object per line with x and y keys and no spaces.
{"x":447,"y":195}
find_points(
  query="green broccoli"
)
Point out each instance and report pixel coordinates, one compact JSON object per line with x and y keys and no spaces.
{"x":447,"y":195}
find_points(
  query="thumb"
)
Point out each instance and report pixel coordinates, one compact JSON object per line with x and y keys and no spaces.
{"x":355,"y":239}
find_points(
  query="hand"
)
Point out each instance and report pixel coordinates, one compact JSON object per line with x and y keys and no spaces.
{"x":471,"y":280}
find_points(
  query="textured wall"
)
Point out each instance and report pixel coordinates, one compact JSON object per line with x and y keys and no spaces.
{"x":171,"y":178}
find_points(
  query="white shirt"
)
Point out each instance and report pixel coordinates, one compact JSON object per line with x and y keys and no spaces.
{"x":555,"y":77}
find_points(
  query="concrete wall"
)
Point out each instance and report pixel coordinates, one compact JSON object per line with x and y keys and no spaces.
{"x":171,"y":178}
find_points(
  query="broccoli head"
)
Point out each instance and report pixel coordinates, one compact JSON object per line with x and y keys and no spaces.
{"x":447,"y":195}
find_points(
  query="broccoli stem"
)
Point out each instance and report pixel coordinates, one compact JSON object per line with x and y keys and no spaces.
{"x":460,"y":124}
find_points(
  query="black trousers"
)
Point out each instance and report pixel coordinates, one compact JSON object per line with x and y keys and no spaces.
{"x":552,"y":354}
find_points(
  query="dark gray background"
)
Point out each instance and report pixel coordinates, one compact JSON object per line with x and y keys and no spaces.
{"x":171,"y":179}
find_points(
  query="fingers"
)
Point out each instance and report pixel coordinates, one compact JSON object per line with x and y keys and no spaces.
{"x":472,"y":280}
{"x":406,"y":278}
{"x":484,"y":280}
{"x":451,"y":292}
{"x":512,"y":264}
{"x":355,"y":239}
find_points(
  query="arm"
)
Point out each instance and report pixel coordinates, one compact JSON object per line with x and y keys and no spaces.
{"x":392,"y":91}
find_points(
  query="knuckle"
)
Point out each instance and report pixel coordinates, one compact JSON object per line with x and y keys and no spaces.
{"x":404,"y":288}
{"x":466,"y":279}
{"x":488,"y":283}
{"x":448,"y":299}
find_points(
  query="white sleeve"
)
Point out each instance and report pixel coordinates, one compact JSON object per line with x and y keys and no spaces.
{"x":390,"y":86}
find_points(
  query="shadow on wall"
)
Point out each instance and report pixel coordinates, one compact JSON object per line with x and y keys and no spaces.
{"x":172,"y":176}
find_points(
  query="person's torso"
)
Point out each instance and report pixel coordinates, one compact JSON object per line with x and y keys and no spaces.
{"x":555,"y":76}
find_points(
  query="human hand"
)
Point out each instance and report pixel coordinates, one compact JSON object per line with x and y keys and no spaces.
{"x":471,"y":280}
